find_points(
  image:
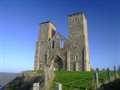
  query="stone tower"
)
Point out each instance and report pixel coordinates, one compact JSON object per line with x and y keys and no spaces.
{"x":47,"y":31}
{"x":78,"y":37}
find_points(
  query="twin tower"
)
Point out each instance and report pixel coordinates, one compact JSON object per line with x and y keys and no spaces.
{"x":70,"y":54}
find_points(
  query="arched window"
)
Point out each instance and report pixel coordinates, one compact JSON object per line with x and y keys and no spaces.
{"x":53,"y":33}
{"x":53,"y":44}
{"x":61,"y":44}
{"x":76,"y":57}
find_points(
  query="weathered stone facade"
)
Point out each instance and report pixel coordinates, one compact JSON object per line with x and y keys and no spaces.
{"x":72,"y":53}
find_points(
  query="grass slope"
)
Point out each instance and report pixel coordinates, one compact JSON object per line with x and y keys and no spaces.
{"x":74,"y":80}
{"x":78,"y":80}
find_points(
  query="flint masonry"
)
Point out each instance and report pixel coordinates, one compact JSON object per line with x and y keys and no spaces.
{"x":70,"y":54}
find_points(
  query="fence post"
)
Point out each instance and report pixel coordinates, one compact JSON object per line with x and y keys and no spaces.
{"x":119,"y":71}
{"x":115,"y":73}
{"x":96,"y":78}
{"x":108,"y":74}
{"x":36,"y":86}
{"x":58,"y":86}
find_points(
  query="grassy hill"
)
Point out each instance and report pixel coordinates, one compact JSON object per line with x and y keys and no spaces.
{"x":74,"y":80}
{"x":25,"y":81}
{"x":78,"y":80}
{"x":69,"y":80}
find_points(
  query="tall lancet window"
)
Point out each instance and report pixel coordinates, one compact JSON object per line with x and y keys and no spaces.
{"x":76,"y":67}
{"x":53,"y":33}
{"x":76,"y":58}
{"x":53,"y":44}
{"x":61,"y":44}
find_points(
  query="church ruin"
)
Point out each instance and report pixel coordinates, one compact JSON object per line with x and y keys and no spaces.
{"x":70,"y":54}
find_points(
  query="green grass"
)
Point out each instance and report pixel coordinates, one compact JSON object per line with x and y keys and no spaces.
{"x":71,"y":80}
{"x":103,"y":76}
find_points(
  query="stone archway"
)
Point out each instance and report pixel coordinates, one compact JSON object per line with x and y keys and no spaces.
{"x":58,"y":63}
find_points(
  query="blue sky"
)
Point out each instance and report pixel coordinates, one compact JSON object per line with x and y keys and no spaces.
{"x":19,"y":24}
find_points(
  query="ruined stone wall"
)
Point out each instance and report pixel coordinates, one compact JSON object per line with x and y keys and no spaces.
{"x":73,"y":51}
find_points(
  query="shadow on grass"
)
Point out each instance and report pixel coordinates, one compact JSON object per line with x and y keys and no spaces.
{"x":115,"y":85}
